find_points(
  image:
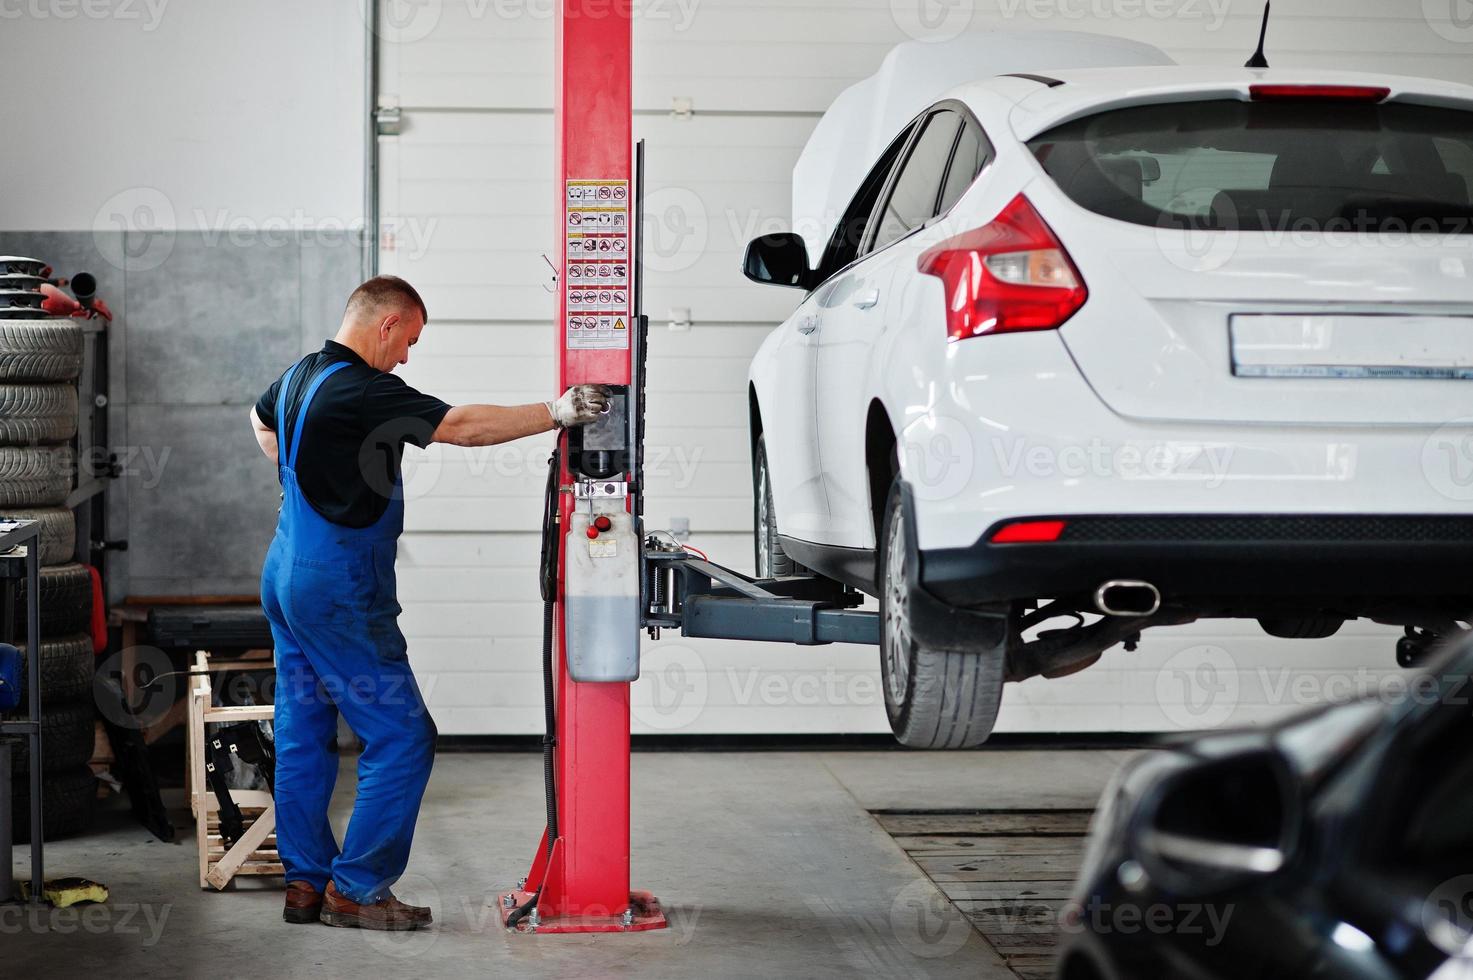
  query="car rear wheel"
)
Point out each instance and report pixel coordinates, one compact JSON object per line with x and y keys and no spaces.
{"x":935,"y":698}
{"x":771,"y":560}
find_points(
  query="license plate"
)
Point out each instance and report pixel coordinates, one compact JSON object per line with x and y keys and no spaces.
{"x":1349,"y":346}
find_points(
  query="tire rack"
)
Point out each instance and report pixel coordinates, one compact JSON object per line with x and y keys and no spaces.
{"x":12,"y":567}
{"x":93,"y":467}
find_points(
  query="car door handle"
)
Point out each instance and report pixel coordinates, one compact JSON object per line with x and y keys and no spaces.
{"x":808,"y":324}
{"x":867,"y":300}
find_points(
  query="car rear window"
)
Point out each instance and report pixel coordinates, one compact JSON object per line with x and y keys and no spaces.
{"x":1270,"y":166}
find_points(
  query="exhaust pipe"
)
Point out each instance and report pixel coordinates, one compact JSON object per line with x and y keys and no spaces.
{"x":1127,"y":597}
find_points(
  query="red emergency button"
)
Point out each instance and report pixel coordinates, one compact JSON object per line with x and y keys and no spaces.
{"x":592,"y":532}
{"x":602,"y":523}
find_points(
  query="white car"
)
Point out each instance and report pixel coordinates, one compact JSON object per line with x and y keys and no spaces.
{"x":1131,"y":347}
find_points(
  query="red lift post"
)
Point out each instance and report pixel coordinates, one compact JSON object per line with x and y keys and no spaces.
{"x":584,"y":878}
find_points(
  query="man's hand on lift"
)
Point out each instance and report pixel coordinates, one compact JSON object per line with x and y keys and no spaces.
{"x":490,"y":425}
{"x":580,"y":405}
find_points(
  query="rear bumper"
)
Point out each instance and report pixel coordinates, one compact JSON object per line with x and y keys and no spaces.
{"x":1247,"y":556}
{"x":1008,"y":428}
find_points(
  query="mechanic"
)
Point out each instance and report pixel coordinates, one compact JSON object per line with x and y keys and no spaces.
{"x":336,"y":423}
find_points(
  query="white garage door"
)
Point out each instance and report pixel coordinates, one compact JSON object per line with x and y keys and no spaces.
{"x":466,"y":197}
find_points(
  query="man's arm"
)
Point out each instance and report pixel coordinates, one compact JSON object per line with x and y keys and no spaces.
{"x":265,"y":437}
{"x":490,"y":425}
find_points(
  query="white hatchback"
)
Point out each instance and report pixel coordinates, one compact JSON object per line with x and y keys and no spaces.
{"x":1129,"y":347}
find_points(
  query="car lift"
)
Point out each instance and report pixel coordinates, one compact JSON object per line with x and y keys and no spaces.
{"x":602,"y":579}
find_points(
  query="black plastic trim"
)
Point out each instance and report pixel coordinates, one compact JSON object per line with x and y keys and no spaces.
{"x":1040,"y":79}
{"x":854,"y":567}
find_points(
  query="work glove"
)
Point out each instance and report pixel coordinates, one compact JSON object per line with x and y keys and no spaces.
{"x":579,"y":405}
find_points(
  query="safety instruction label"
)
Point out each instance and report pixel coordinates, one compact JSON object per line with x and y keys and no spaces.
{"x":597,"y":264}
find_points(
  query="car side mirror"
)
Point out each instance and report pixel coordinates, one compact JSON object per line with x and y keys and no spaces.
{"x":780,"y":259}
{"x":1220,"y":823}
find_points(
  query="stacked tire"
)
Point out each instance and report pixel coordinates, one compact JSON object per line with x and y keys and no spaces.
{"x":40,"y":360}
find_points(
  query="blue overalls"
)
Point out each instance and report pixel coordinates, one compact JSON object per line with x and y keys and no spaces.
{"x":329,"y":592}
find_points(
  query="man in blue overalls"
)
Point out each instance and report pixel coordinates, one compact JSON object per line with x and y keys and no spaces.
{"x":336,"y":424}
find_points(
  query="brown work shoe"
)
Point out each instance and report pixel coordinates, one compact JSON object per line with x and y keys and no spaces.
{"x":303,"y":902}
{"x":388,"y":914}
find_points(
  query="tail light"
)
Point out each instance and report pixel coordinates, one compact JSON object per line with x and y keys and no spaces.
{"x":1012,"y":274}
{"x":1367,"y":94}
{"x":1028,"y":532}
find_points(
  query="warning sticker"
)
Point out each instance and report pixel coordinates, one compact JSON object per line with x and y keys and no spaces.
{"x":596,"y":264}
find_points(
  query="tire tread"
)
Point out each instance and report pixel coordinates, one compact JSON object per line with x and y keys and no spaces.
{"x":40,"y":350}
{"x":65,"y":599}
{"x":58,"y":530}
{"x":67,"y":666}
{"x":32,"y":413}
{"x":71,"y":804}
{"x":68,"y":737}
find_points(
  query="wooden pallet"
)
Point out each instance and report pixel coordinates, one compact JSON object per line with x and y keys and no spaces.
{"x":255,"y":853}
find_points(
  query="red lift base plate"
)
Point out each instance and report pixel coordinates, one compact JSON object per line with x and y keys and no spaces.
{"x":644,"y":908}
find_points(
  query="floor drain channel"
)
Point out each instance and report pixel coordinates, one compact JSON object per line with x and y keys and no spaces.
{"x":1008,"y":871}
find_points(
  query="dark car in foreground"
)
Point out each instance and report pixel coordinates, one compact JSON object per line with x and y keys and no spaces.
{"x":1337,"y":844}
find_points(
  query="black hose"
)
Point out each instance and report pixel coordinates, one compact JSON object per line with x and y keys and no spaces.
{"x":548,"y":583}
{"x":181,"y":673}
{"x":549,"y":739}
{"x":547,"y":579}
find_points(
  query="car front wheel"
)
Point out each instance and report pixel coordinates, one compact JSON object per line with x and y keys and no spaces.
{"x":935,"y":698}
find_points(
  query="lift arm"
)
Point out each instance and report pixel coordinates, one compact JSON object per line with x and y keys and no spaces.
{"x":703,"y":599}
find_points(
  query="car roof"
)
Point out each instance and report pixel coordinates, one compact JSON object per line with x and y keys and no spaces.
{"x":1068,"y":94}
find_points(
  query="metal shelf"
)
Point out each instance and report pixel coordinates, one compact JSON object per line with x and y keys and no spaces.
{"x":20,"y":556}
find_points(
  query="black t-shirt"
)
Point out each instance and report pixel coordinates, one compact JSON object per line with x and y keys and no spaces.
{"x":353,"y":439}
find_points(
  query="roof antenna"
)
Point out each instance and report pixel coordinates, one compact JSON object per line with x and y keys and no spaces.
{"x":1259,"y":60}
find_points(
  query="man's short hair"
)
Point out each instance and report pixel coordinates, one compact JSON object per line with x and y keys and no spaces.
{"x":382,"y":291}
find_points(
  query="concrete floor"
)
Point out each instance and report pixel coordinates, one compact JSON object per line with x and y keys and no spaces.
{"x":767,"y":863}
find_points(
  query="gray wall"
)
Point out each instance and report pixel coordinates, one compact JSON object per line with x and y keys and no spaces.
{"x":204,"y":322}
{"x":253,"y":119}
